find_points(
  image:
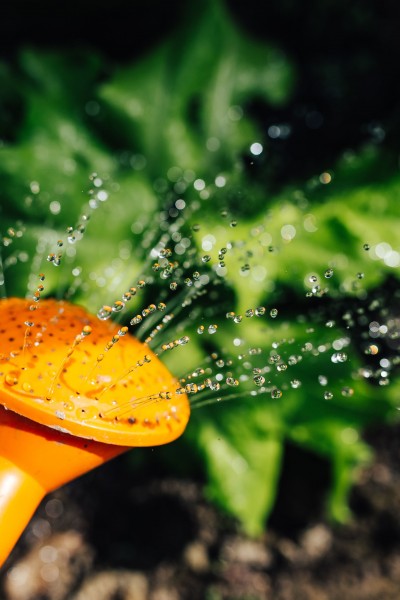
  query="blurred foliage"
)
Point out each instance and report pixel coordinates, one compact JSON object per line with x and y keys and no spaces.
{"x":183,"y":112}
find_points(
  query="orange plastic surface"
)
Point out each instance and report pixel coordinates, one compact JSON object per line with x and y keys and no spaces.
{"x":64,"y":368}
{"x":35,"y":460}
{"x":74,"y":392}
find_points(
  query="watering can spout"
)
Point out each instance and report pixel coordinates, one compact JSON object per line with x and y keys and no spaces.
{"x":35,"y":460}
{"x":20,"y":495}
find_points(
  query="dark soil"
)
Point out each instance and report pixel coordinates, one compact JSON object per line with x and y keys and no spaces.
{"x":105,"y":537}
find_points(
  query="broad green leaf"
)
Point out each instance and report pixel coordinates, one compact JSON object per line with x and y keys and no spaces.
{"x":296,"y":239}
{"x":191,"y":89}
{"x":242,"y":449}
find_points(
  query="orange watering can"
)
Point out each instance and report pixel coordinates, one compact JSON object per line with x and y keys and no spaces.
{"x":74,"y":392}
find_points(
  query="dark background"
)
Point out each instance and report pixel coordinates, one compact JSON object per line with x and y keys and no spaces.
{"x":345,"y":55}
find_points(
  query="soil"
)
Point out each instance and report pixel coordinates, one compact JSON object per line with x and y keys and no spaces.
{"x":105,"y":537}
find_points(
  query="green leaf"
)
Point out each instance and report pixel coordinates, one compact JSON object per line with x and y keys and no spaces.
{"x":192,"y":88}
{"x":296,"y":239}
{"x":242,"y":449}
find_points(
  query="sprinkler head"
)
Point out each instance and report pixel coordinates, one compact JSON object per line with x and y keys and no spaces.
{"x":74,"y":392}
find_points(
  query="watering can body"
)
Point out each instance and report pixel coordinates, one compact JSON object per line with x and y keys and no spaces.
{"x":74,"y":393}
{"x":35,"y":460}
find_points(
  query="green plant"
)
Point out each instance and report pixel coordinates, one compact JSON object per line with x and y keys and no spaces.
{"x":153,"y":129}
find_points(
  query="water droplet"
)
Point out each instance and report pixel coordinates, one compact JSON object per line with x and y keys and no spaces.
{"x":366,"y":247}
{"x":166,"y":274}
{"x":328,"y":395}
{"x":212,"y":329}
{"x":249,"y":312}
{"x":347,"y":391}
{"x":254,"y":351}
{"x":274,"y":358}
{"x":260,"y":311}
{"x":339,"y":357}
{"x":273,"y":313}
{"x":276,"y":393}
{"x":372,"y":349}
{"x":295,"y":383}
{"x":313,"y":279}
{"x":206,"y":258}
{"x":360,"y":275}
{"x":259,"y":380}
{"x":165,"y":253}
{"x":104,"y":313}
{"x":214,"y":386}
{"x":200,"y":329}
{"x":118,"y":306}
{"x":328,"y":273}
{"x":11,"y":379}
{"x":191,"y":388}
{"x":136,"y":320}
{"x":232,"y":381}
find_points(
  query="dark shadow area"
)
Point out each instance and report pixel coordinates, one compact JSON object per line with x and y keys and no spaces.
{"x":120,"y":29}
{"x":302,"y":491}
